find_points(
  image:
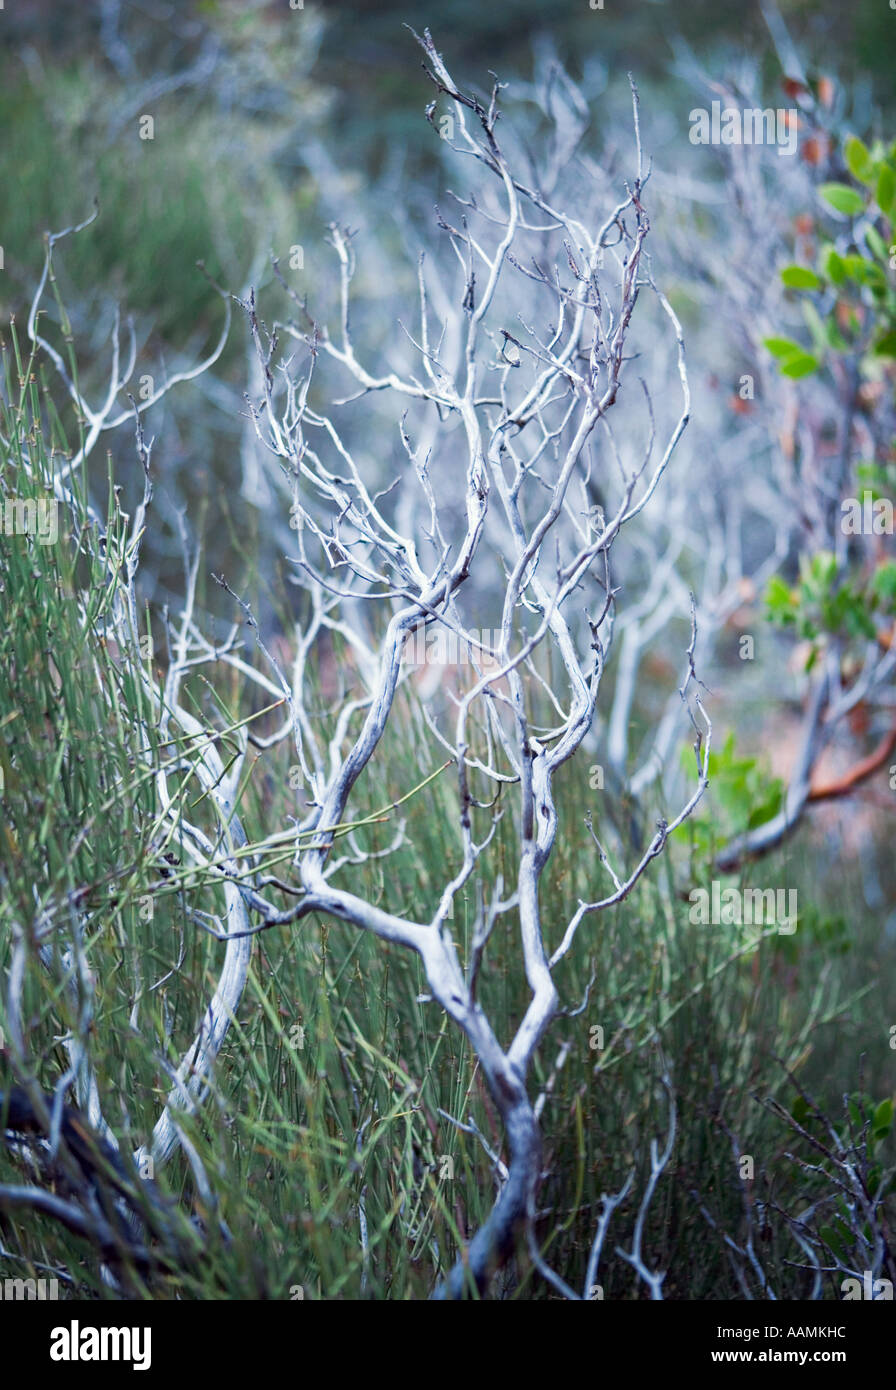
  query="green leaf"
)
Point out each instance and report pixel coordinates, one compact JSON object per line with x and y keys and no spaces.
{"x":843,"y":198}
{"x":793,"y":360}
{"x":858,"y":157}
{"x":815,"y":325}
{"x":768,"y":807}
{"x":883,"y":1119}
{"x":779,"y":600}
{"x":820,"y":571}
{"x":886,"y":189}
{"x":799,"y":277}
{"x":832,"y":265}
{"x":782,"y":347}
{"x":863,"y":271}
{"x":886,"y":346}
{"x":876,"y":244}
{"x":800,"y":364}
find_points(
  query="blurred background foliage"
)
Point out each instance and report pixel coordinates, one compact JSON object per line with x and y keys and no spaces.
{"x":240,"y":88}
